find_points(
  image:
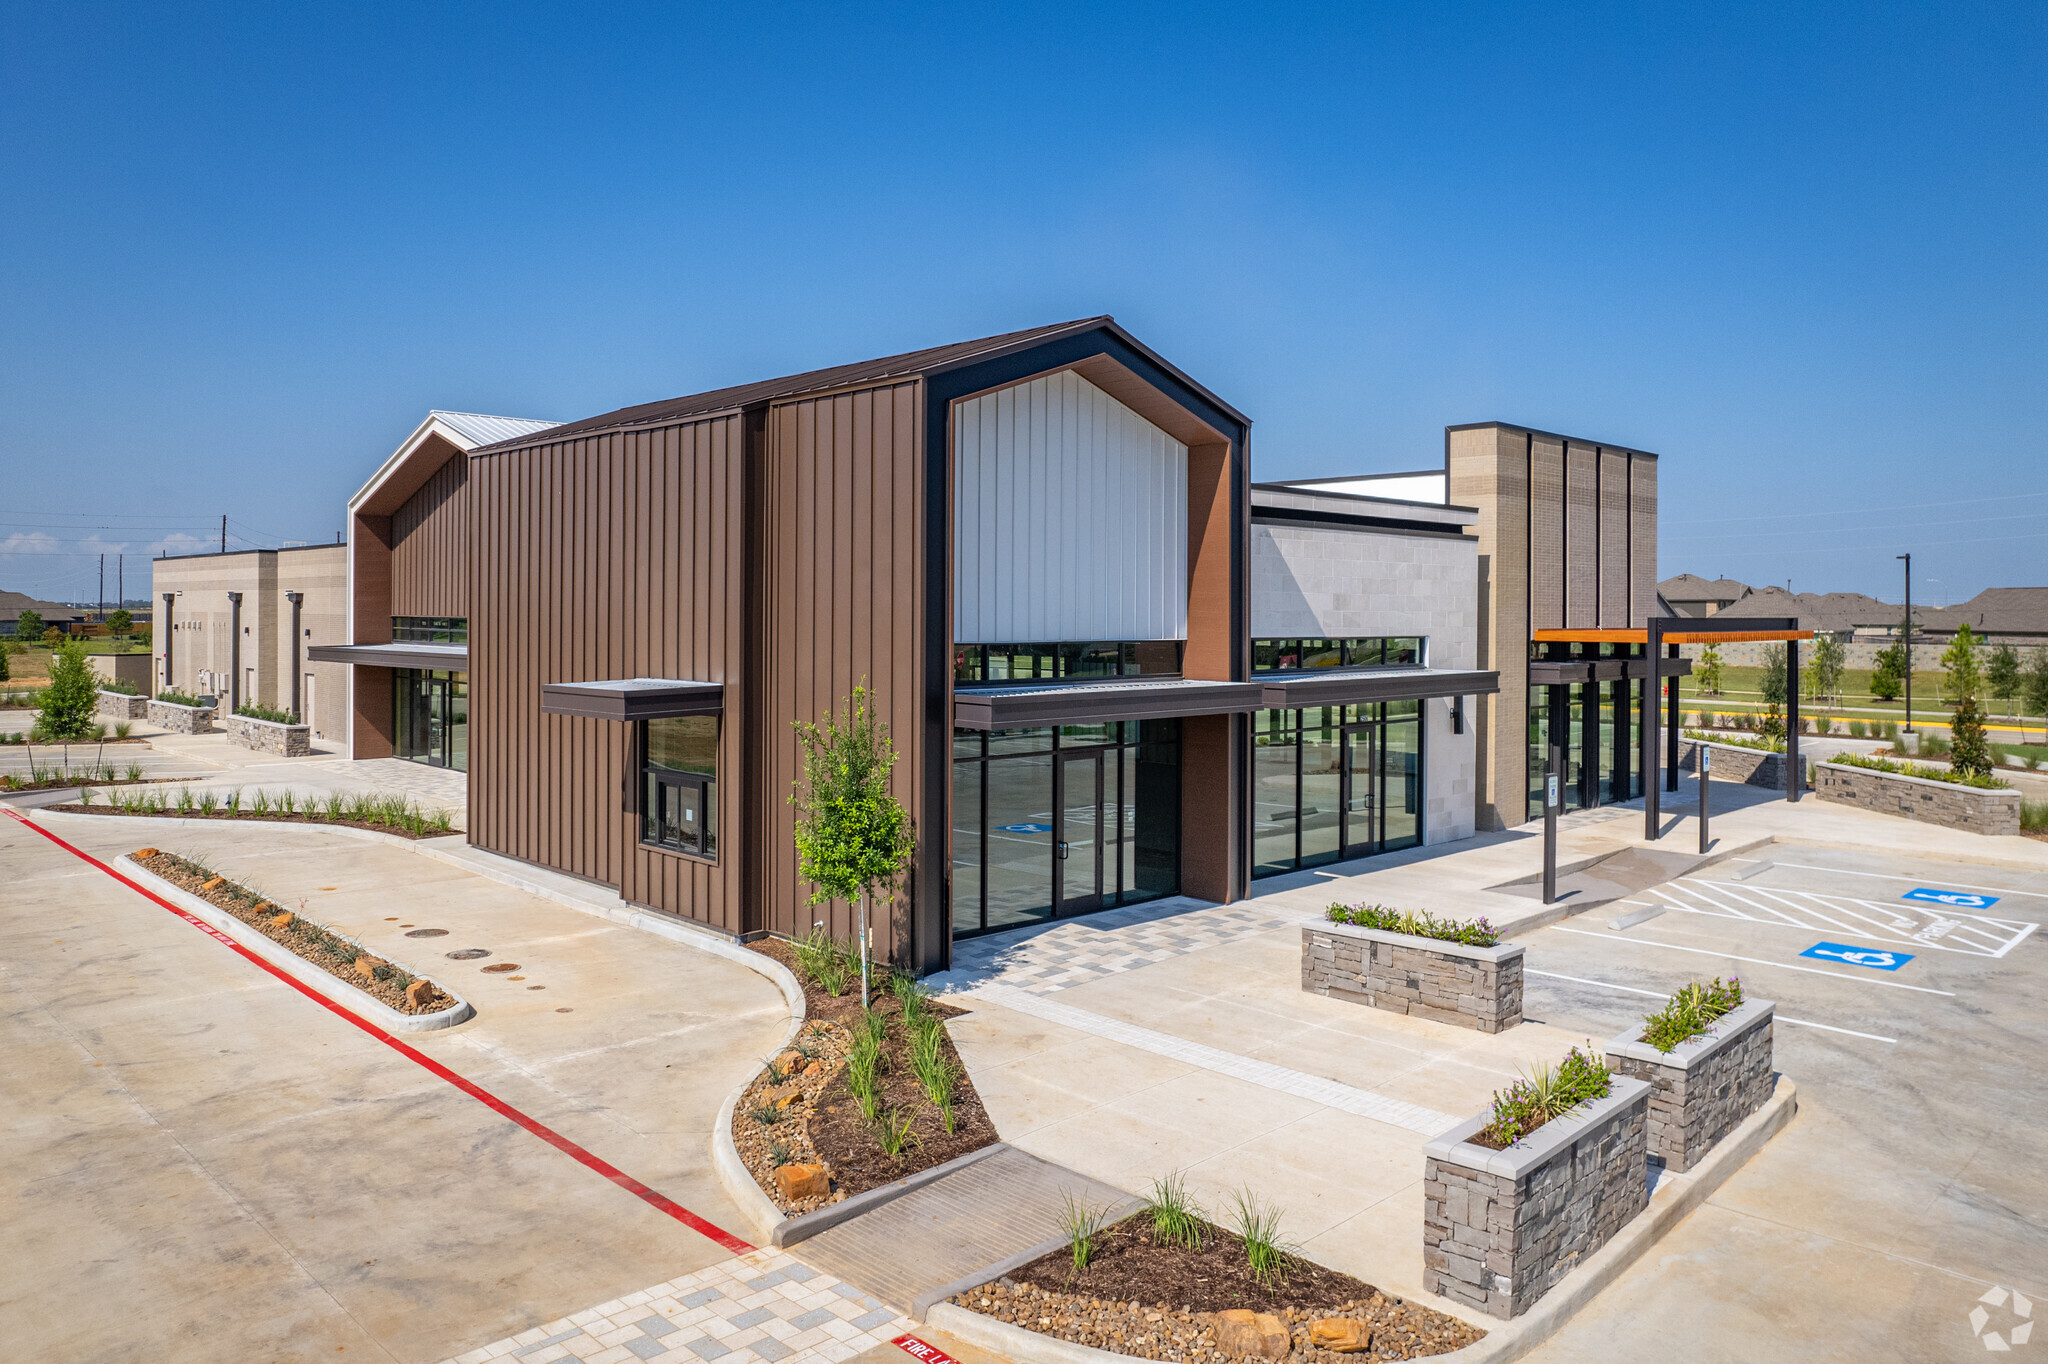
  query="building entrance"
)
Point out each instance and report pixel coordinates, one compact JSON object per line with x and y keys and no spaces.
{"x":432,"y":709}
{"x":1081,"y":833}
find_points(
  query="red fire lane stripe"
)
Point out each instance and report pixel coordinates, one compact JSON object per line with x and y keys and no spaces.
{"x":481,"y":1095}
{"x":922,"y":1349}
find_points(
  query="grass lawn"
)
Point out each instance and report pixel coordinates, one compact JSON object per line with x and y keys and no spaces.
{"x":1741,"y":689}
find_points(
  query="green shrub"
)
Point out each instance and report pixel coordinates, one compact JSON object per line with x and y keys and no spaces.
{"x":120,"y":687}
{"x":1857,"y":729}
{"x":1419,"y":923}
{"x":255,"y":712}
{"x":1176,"y":1221}
{"x":1546,"y":1093}
{"x":1948,"y":774}
{"x":2034,"y":816}
{"x":1690,"y":1012}
{"x":178,"y":698}
{"x":1258,"y":1226}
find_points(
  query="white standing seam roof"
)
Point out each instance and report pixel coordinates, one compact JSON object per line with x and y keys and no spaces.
{"x":481,"y":429}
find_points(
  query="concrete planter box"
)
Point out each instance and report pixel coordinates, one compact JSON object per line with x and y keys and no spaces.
{"x":119,"y":705}
{"x":269,"y":736}
{"x":1470,"y":987}
{"x":1502,"y":1228}
{"x":181,"y":719}
{"x":1947,"y":803}
{"x":1702,"y":1089}
{"x":1734,"y":763}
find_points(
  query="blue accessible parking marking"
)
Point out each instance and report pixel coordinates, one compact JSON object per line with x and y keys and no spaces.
{"x":1954,"y":899}
{"x":1024,"y":828}
{"x":1875,"y":957}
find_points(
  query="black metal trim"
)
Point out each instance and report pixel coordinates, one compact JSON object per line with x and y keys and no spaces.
{"x":1382,"y":684}
{"x":1267,"y":515}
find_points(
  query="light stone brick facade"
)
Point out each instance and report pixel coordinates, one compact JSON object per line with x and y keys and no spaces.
{"x":1468,"y":987}
{"x":1702,"y":1089}
{"x":1947,"y":803}
{"x":1502,"y":1228}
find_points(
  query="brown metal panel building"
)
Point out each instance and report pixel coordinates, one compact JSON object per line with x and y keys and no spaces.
{"x":429,"y":546}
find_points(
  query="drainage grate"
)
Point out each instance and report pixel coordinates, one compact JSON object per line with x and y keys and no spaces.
{"x":468,"y":954}
{"x":428,"y":933}
{"x":501,"y":966}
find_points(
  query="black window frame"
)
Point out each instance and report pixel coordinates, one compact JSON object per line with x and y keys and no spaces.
{"x":657,"y":783}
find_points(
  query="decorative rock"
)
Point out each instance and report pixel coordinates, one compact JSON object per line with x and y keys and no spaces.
{"x":216,"y":881}
{"x":143,"y":854}
{"x":1241,"y":1333}
{"x":782,"y":1095}
{"x":790,"y":1062}
{"x":420,"y":993}
{"x":1341,"y":1335}
{"x":798,"y":1182}
{"x":283,"y":920}
{"x":366,"y":966}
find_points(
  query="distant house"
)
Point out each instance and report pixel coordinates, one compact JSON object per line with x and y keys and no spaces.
{"x":1689,"y":595}
{"x":2010,"y":614}
{"x":12,"y":604}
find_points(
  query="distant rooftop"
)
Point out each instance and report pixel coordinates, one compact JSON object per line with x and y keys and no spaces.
{"x":1423,"y":485}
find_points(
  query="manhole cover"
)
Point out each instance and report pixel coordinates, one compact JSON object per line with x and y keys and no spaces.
{"x":428,"y":933}
{"x":468,"y":954}
{"x":502,"y":966}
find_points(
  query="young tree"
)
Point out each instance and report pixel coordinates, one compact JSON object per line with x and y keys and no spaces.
{"x":1887,"y":679}
{"x":854,"y":839}
{"x":53,"y":636}
{"x":119,"y":621}
{"x":1968,"y":752}
{"x":68,"y":702}
{"x":1824,"y":670}
{"x":1773,"y":687}
{"x":1709,"y":673}
{"x":2034,"y":687}
{"x":2002,"y":674}
{"x":29,"y":626}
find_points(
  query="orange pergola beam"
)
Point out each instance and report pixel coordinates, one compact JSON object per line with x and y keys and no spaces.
{"x":1670,"y":636}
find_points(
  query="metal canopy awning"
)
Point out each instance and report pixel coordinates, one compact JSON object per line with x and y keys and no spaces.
{"x":633,"y":698}
{"x":452,"y":658}
{"x":1705,"y":630}
{"x":1098,"y":702}
{"x":1553,"y":672}
{"x":1357,"y":686}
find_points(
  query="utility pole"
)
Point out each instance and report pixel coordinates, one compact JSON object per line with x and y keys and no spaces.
{"x":121,"y":579}
{"x":223,"y":532}
{"x":103,"y":587}
{"x":1908,"y":643}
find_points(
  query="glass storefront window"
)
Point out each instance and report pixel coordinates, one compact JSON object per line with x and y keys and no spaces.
{"x":1370,"y":651}
{"x":1332,"y":783}
{"x":1067,"y":661}
{"x":429,"y":630}
{"x":430,"y":712}
{"x":679,"y":783}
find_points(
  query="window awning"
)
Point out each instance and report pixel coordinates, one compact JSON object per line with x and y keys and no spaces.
{"x":1099,"y":702}
{"x":633,"y":698}
{"x":452,"y":658}
{"x":1358,"y":686}
{"x":1555,"y":672}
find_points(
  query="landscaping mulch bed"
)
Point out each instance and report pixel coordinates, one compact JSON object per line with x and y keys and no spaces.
{"x":172,"y":812}
{"x":333,"y":954}
{"x":1161,"y":1302}
{"x":823,"y":1124}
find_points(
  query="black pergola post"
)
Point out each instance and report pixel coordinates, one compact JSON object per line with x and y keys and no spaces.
{"x":1652,"y":649}
{"x":1671,"y":725}
{"x":1795,"y":775}
{"x":1654,"y":654}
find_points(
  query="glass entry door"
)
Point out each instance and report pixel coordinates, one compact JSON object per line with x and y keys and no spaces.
{"x":1078,"y":803}
{"x":1361,"y":800}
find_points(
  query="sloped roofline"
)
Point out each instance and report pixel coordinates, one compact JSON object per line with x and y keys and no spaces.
{"x":435,"y":424}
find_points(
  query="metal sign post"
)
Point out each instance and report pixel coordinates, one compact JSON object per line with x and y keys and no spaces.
{"x":1706,"y":767}
{"x":1551,"y":799}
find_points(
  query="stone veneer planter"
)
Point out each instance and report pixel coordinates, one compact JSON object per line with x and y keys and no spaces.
{"x":1470,"y":987}
{"x":119,"y":705}
{"x":1733,"y":763}
{"x":1501,"y":1228}
{"x":181,"y":719}
{"x":1703,"y":1088}
{"x":1976,"y":809}
{"x":269,"y":736}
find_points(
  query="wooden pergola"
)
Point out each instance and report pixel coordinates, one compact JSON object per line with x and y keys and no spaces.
{"x":1666,"y":633}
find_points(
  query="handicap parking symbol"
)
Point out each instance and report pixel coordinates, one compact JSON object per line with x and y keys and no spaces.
{"x":1024,"y":828}
{"x":1874,"y":957}
{"x":1954,"y":899}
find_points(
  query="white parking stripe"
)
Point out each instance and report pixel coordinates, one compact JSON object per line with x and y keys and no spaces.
{"x":1888,"y":876}
{"x":1758,"y":961}
{"x":1973,"y":934}
{"x":1630,"y":989}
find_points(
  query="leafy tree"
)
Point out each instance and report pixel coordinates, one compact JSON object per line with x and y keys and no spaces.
{"x":2034,"y":687}
{"x":1887,"y":679}
{"x":68,"y":702}
{"x":1709,"y":673}
{"x":29,"y":626}
{"x":1773,"y":687}
{"x":2002,"y":674}
{"x":854,"y":839}
{"x":1824,"y":670}
{"x":1968,"y":752}
{"x":120,"y":622}
{"x":52,"y":636}
{"x":3,"y":664}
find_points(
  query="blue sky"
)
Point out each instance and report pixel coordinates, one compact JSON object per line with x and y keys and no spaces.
{"x":1796,"y":250}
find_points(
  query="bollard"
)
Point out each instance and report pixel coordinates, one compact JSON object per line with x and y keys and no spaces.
{"x":1550,"y":803}
{"x":1706,"y":767}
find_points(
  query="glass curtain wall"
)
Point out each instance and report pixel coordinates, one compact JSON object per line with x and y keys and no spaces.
{"x":431,"y":711}
{"x":1335,"y":782}
{"x":1055,"y":821}
{"x":1598,"y":725}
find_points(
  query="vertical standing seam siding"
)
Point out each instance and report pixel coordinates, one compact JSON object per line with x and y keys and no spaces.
{"x":430,"y":536}
{"x":602,"y":558}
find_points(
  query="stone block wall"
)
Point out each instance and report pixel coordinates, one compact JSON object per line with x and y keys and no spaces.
{"x":181,"y":719}
{"x":1502,"y":1228}
{"x":1734,"y":763}
{"x":119,"y":705}
{"x":268,"y":736}
{"x":1702,"y":1089}
{"x":1469,"y":987}
{"x":1952,"y":806}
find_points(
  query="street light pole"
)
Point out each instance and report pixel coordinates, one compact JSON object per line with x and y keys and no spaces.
{"x":1908,"y":645}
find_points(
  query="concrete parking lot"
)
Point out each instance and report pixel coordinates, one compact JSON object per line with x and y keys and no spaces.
{"x":200,"y":1163}
{"x":1915,"y":1178}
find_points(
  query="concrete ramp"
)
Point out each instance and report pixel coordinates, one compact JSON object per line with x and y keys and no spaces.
{"x":972,"y":1225}
{"x":1614,"y":877}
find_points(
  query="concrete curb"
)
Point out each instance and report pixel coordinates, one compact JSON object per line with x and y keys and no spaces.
{"x":799,"y":1229}
{"x":733,"y":1174}
{"x":335,"y":988}
{"x":1504,"y":1341}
